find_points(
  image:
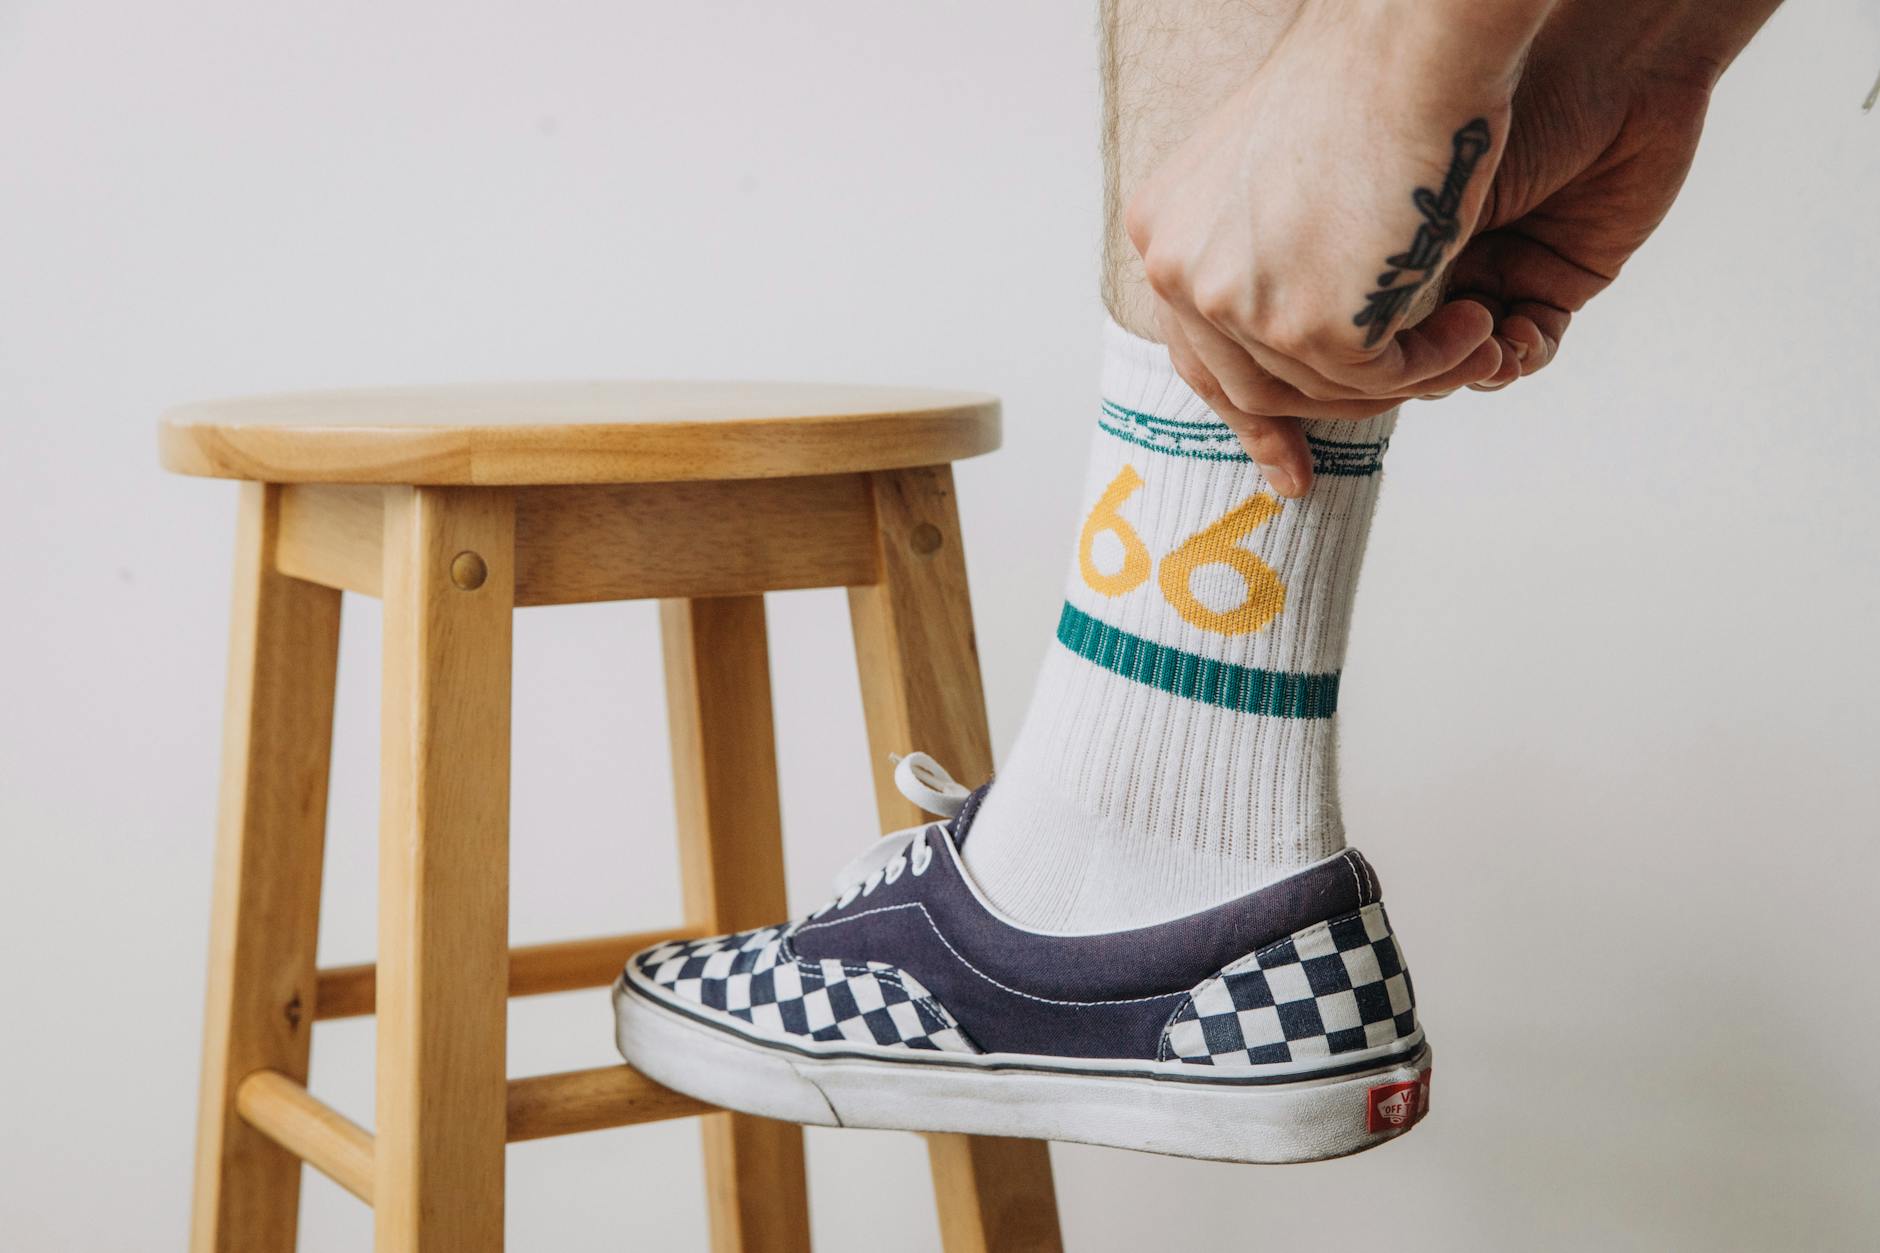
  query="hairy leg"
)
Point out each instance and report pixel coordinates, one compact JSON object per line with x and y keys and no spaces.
{"x":1166,"y":64}
{"x":1180,"y":749}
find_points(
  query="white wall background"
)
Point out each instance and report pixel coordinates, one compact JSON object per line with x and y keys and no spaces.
{"x":1611,"y":723}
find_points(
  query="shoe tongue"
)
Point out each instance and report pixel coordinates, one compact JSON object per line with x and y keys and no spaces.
{"x":963,"y":820}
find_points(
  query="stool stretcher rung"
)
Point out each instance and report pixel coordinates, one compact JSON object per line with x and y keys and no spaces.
{"x":309,"y":1128}
{"x":589,"y":1100}
{"x":563,"y":966}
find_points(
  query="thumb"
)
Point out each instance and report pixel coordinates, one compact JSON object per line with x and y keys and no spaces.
{"x":1532,"y":289}
{"x":1278,"y":447}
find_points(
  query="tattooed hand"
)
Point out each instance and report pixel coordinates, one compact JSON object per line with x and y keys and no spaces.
{"x":1289,"y":239}
{"x":1296,"y":237}
{"x":1605,"y":123}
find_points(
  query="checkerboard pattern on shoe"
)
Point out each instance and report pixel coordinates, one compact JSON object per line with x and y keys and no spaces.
{"x":757,"y":976}
{"x":1335,"y":987}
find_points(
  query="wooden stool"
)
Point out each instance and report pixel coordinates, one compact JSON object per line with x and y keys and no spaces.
{"x":455,"y":505}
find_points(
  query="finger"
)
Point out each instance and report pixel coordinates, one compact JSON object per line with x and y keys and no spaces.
{"x":1528,"y":279}
{"x":1278,"y":447}
{"x":1276,"y":443}
{"x":1484,"y":362}
{"x":1252,"y":389}
{"x":1523,"y":341}
{"x":1183,"y":357}
{"x":1453,"y":335}
{"x":1525,"y":347}
{"x":1478,"y":365}
{"x":1456,"y":340}
{"x":1251,"y":381}
{"x":1244,"y":385}
{"x":1508,"y":371}
{"x":1550,"y":327}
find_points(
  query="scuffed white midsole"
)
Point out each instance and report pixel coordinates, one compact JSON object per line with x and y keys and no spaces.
{"x":1303,"y":1119}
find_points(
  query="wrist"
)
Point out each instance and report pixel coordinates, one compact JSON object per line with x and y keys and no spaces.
{"x":1710,"y":35}
{"x":1689,"y":42}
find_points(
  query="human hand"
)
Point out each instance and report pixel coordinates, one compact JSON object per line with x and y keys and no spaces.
{"x":1289,"y":240}
{"x":1605,"y":124}
{"x":1600,"y":132}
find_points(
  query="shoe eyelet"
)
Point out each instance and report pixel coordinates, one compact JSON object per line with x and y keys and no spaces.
{"x":895,"y":869}
{"x":848,"y":897}
{"x":874,"y":881}
{"x":923,"y":857}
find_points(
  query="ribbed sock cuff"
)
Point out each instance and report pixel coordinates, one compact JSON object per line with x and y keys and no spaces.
{"x":1138,"y":375}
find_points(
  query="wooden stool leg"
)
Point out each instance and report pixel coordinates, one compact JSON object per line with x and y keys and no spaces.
{"x":724,"y":765}
{"x":277,"y":737}
{"x":921,"y":690}
{"x":443,"y":971}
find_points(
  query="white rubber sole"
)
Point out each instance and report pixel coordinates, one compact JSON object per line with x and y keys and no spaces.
{"x":1263,"y":1118}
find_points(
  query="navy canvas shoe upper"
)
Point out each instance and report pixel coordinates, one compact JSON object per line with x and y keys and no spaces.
{"x":911,"y":956}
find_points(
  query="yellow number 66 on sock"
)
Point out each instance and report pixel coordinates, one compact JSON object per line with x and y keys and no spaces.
{"x":1218,"y":543}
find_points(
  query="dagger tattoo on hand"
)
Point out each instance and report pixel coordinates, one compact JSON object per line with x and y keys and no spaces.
{"x":1416,"y":263}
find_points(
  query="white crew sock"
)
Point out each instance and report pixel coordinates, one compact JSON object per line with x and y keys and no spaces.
{"x":1180,"y":748}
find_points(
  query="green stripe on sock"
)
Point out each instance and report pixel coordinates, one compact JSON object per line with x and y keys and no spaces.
{"x":1349,"y":459}
{"x":1270,"y":693}
{"x":1203,"y":441}
{"x":1132,"y":436}
{"x":1214,"y":441}
{"x":1213,"y":426}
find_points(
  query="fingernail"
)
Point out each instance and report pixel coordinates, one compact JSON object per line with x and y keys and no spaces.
{"x":1519,"y":348}
{"x":1281,"y":480}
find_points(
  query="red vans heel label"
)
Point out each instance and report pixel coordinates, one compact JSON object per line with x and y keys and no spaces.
{"x":1397,"y":1105}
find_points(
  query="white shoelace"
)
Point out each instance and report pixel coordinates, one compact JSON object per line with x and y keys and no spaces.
{"x":925,"y":782}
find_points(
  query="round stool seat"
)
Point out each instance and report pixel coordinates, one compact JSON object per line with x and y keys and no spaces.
{"x":560,"y":433}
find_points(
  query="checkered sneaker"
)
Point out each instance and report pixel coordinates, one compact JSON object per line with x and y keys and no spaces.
{"x":1335,"y":987}
{"x":757,"y":976}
